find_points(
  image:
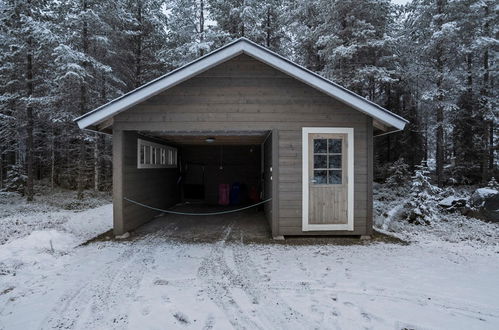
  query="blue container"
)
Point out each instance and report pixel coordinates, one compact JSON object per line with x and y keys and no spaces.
{"x":235,"y":194}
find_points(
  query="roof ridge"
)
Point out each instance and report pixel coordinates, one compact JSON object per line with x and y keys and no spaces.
{"x":225,"y":53}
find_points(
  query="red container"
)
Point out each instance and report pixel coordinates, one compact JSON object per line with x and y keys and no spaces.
{"x":223,"y":194}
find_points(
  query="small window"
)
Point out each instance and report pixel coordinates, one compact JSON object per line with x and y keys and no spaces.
{"x":328,"y":161}
{"x":155,"y":155}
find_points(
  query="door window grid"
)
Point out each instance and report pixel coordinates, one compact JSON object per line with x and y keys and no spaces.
{"x":327,"y":161}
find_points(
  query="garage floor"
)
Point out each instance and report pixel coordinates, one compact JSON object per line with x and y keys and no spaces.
{"x":245,"y":226}
{"x":249,"y":226}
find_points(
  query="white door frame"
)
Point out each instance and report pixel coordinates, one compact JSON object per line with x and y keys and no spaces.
{"x":305,"y":178}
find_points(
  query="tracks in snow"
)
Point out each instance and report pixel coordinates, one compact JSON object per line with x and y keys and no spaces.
{"x":230,"y":277}
{"x":97,"y":301}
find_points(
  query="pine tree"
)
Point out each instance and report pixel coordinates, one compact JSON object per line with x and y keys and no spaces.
{"x":189,"y":35}
{"x":398,"y":173}
{"x":352,"y":42}
{"x":138,"y":38}
{"x":26,"y":41}
{"x":422,"y":202}
{"x":302,"y":19}
{"x":79,"y":74}
{"x":433,"y":30}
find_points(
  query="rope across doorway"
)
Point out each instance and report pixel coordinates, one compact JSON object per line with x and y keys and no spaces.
{"x":192,"y":213}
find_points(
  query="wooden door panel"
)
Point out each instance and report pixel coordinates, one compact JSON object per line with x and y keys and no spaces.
{"x":328,"y":206}
{"x":328,"y":178}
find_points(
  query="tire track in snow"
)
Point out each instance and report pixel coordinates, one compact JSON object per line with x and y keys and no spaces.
{"x":69,"y":307}
{"x":281,"y":316}
{"x":90,"y":301}
{"x":218,"y":279}
{"x":106,"y":305}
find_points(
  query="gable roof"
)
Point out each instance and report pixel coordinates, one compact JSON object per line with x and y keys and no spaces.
{"x":388,"y":120}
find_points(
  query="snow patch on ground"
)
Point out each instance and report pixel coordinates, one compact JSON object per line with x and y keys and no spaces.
{"x":448,"y":228}
{"x":153,"y":283}
{"x":37,"y":232}
{"x":446,"y":279}
{"x":51,"y":210}
{"x":484,"y":193}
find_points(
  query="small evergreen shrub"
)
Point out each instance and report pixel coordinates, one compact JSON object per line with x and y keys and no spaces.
{"x":398,"y":173}
{"x":16,"y":179}
{"x":422,"y":204}
{"x":493,"y":184}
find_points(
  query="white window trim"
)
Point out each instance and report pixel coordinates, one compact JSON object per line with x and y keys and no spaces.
{"x":305,"y":179}
{"x":141,"y":142}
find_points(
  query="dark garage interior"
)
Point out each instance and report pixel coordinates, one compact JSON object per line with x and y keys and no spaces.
{"x":197,"y":172}
{"x":203,"y":169}
{"x":216,"y":172}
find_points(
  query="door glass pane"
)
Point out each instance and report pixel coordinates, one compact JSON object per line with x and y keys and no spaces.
{"x":334,"y":161}
{"x":334,"y":146}
{"x":320,"y":161}
{"x":320,"y":146}
{"x":334,"y":177}
{"x":320,"y":177}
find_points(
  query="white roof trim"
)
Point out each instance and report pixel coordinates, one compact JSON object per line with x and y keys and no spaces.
{"x":225,"y":53}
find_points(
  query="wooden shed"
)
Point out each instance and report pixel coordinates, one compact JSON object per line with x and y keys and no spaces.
{"x":243,"y":115}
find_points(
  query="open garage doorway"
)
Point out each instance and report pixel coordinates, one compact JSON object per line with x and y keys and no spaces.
{"x":219,"y":172}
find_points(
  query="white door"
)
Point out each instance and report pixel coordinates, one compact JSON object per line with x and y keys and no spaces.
{"x":327,"y":178}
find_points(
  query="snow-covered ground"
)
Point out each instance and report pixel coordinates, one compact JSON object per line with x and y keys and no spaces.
{"x":50,"y":281}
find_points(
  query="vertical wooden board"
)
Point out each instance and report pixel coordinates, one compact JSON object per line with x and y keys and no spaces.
{"x":275,"y":182}
{"x":267,"y":174}
{"x":118,"y":156}
{"x":370,"y":161}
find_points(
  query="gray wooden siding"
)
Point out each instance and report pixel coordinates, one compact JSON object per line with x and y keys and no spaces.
{"x":245,"y":94}
{"x":155,"y":187}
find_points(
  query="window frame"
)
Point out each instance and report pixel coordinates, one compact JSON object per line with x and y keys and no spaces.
{"x":159,"y":155}
{"x":349,"y":131}
{"x":328,"y":168}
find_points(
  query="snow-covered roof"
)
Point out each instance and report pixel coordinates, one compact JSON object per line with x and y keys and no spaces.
{"x":389,"y":120}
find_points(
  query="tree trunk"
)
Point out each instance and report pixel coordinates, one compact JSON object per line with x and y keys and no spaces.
{"x":426,"y":141}
{"x":488,"y":133}
{"x":268,"y":28}
{"x":52,"y":162}
{"x":1,"y":169}
{"x":29,"y":118}
{"x":138,"y":50}
{"x":439,"y":155}
{"x":201,"y":25}
{"x":83,"y":109}
{"x":491,"y":146}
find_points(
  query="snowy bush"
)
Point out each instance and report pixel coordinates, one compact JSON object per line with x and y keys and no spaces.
{"x":493,"y":184}
{"x":380,"y":170}
{"x":398,"y":173}
{"x":422,"y":202}
{"x":463,"y":175}
{"x":16,"y":179}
